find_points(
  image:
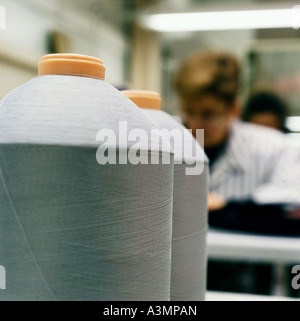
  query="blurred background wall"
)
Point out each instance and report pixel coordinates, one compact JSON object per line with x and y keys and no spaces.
{"x":137,"y":57}
{"x":35,"y":28}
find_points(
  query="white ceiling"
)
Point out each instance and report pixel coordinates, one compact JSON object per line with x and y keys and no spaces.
{"x":119,"y":11}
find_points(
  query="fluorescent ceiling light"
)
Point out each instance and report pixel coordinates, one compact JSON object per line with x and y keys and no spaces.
{"x":224,"y":20}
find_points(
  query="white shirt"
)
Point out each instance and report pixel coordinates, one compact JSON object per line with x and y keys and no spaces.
{"x":258,"y":163}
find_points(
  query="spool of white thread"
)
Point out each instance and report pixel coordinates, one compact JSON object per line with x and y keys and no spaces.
{"x":189,"y":259}
{"x":70,"y":228}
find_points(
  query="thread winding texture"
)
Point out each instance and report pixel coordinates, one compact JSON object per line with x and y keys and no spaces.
{"x":190,"y":221}
{"x":70,"y":228}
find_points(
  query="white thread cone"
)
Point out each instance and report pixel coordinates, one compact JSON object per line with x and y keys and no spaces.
{"x":190,"y":222}
{"x":71,"y":229}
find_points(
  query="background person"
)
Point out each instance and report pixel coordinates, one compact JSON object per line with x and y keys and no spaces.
{"x":267,"y":108}
{"x":254,"y":175}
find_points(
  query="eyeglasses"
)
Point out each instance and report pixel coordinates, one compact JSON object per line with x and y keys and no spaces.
{"x":208,"y":117}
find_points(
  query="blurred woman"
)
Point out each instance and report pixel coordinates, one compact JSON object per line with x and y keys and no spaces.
{"x":254,"y":175}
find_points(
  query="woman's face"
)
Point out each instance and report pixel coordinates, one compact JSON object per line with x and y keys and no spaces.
{"x":210,"y":113}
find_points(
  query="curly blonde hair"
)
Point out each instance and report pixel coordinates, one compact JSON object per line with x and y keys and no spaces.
{"x":211,"y":72}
